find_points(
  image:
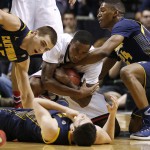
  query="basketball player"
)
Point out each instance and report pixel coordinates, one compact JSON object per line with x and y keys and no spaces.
{"x":67,"y":49}
{"x":129,"y":43}
{"x":17,"y":42}
{"x":52,"y":123}
{"x":36,"y":13}
{"x":72,"y":49}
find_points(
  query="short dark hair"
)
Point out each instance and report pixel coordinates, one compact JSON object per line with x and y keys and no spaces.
{"x":69,"y":12}
{"x":117,"y":4}
{"x":47,"y":30}
{"x":85,"y":135}
{"x":83,"y":37}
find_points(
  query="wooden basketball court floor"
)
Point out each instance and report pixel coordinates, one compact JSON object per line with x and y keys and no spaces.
{"x":120,"y":143}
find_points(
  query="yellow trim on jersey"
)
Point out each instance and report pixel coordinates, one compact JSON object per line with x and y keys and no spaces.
{"x":23,"y":27}
{"x":142,"y":30}
{"x":29,"y":32}
{"x":54,"y":139}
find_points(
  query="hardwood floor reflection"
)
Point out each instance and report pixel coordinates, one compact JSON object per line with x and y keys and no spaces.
{"x":119,"y":144}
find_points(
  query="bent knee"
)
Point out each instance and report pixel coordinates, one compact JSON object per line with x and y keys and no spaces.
{"x":126,"y":73}
{"x":36,"y":86}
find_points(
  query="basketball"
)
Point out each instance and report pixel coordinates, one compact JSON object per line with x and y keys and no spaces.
{"x":73,"y":76}
{"x":2,"y":138}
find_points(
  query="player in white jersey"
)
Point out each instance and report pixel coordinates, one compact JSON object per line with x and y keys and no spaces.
{"x":67,"y":49}
{"x":57,"y":55}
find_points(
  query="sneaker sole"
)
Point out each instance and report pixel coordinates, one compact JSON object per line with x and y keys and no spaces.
{"x":139,"y":138}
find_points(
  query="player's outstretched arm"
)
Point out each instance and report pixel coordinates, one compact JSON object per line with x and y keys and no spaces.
{"x":9,"y":22}
{"x":49,"y":126}
{"x":101,"y":52}
{"x":21,"y":71}
{"x":50,"y":105}
{"x":106,"y":134}
{"x":109,"y":126}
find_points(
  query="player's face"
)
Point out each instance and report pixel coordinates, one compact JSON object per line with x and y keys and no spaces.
{"x":39,"y":44}
{"x":106,"y":16}
{"x":80,"y":120}
{"x":78,"y":51}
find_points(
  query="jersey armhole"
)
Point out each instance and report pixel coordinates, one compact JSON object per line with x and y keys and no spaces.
{"x":54,"y":139}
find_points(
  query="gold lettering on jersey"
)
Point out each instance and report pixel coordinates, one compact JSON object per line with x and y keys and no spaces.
{"x":125,"y":56}
{"x":2,"y":52}
{"x":9,"y":48}
{"x":119,"y":47}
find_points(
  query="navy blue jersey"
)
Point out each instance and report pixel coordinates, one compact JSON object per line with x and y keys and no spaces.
{"x":10,"y":42}
{"x":135,"y":46}
{"x":22,"y":125}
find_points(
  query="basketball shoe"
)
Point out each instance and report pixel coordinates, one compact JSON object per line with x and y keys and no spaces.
{"x":144,"y":133}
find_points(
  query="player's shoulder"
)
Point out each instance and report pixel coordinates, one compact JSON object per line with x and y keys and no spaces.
{"x":65,"y":37}
{"x":61,"y":45}
{"x":126,"y":23}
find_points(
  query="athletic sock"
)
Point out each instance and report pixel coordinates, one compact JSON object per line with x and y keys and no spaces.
{"x":17,"y":99}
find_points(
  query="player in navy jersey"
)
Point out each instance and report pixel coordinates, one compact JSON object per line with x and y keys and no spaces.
{"x":128,"y":42}
{"x":17,"y":42}
{"x":51,"y":123}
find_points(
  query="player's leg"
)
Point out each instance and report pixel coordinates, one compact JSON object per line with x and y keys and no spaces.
{"x":36,"y":86}
{"x":136,"y":77}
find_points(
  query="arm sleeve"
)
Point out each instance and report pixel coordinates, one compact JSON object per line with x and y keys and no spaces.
{"x":52,"y":56}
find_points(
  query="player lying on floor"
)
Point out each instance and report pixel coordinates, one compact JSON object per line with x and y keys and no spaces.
{"x":51,"y":123}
